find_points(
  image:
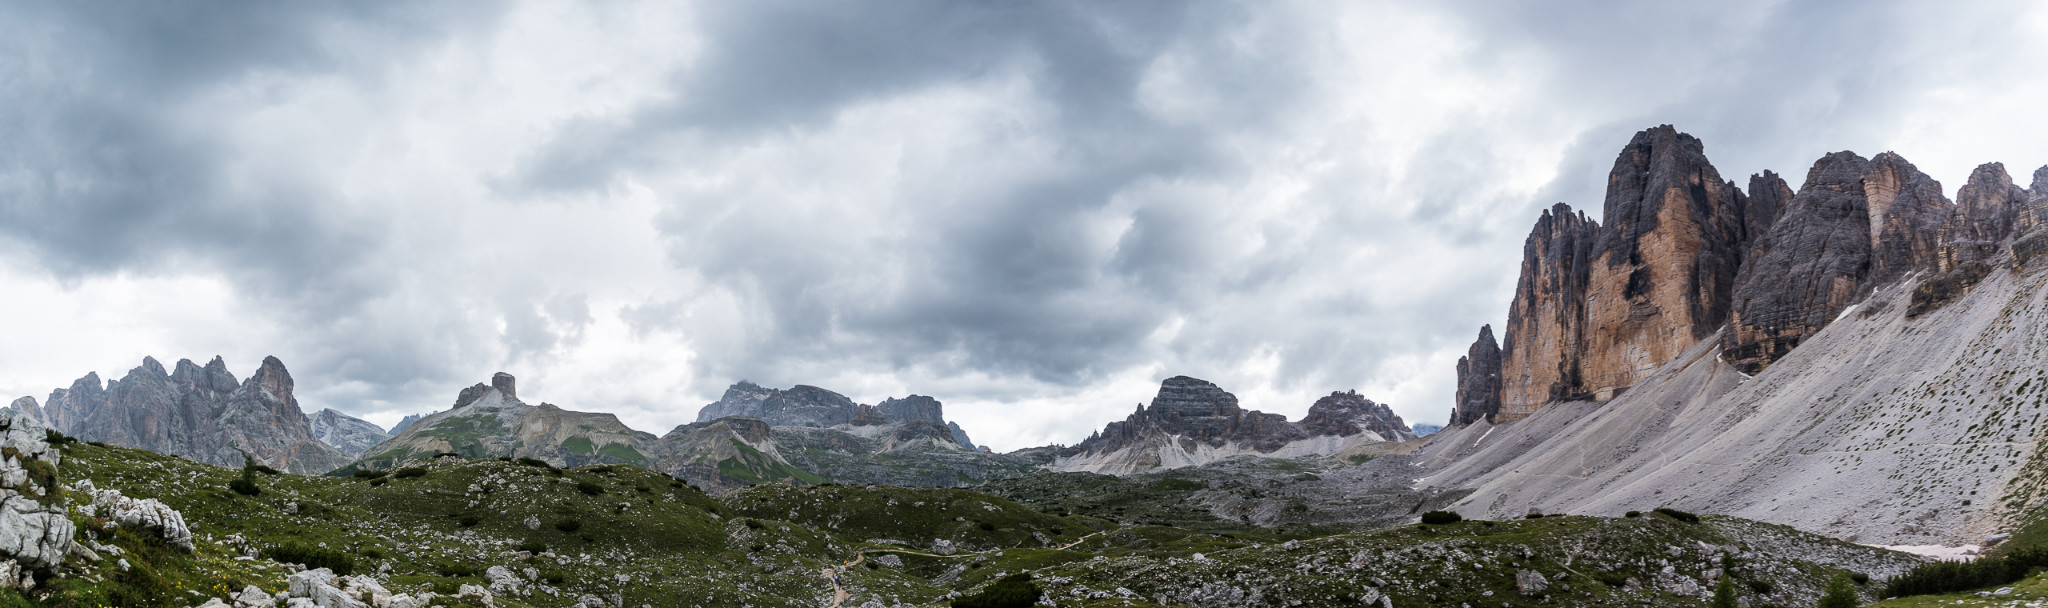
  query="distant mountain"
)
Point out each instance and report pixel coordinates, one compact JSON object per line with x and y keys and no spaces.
{"x":1423,"y":429}
{"x":200,"y":413}
{"x":1192,"y":422}
{"x":347,"y":433}
{"x":404,"y":423}
{"x":901,"y":442}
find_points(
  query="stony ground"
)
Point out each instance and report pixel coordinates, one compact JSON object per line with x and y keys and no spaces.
{"x":624,"y":536}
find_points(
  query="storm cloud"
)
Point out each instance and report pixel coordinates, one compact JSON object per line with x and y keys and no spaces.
{"x":1033,"y":211}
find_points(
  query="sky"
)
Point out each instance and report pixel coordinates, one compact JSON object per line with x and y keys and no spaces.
{"x":1033,"y":211}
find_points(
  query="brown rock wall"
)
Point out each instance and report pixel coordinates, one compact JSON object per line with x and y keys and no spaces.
{"x":1542,"y":342}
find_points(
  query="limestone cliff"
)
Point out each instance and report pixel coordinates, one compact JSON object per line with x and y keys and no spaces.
{"x":1664,"y":264}
{"x":1541,"y":346}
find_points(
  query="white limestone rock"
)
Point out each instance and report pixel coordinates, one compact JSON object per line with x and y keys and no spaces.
{"x":146,"y":514}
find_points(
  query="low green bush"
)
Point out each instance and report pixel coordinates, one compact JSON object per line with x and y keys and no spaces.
{"x":569,"y":525}
{"x":409,"y":472}
{"x":534,"y":547}
{"x":1678,"y":515}
{"x":340,"y":562}
{"x":1441,"y":517}
{"x":1013,"y":591}
{"x":370,"y":474}
{"x":589,"y":488}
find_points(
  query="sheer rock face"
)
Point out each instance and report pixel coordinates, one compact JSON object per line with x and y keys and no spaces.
{"x":350,"y":434}
{"x":1479,"y":386}
{"x":914,"y":407}
{"x":1907,"y":211}
{"x":1808,"y":268}
{"x":404,"y":423}
{"x":1664,"y":265}
{"x":198,"y":413}
{"x":1541,"y":346}
{"x":1989,"y":210}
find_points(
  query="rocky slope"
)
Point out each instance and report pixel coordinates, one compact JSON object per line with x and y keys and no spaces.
{"x":1874,"y":375}
{"x":350,"y":434}
{"x":1192,"y":422}
{"x":201,"y":413}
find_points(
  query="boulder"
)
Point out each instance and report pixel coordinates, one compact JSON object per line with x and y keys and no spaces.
{"x":1531,"y":582}
{"x":144,"y":514}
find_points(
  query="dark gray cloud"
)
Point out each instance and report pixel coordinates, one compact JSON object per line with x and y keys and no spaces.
{"x":633,"y":205}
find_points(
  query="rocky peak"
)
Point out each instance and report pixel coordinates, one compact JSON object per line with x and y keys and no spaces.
{"x":1664,"y":265}
{"x":1765,"y":203}
{"x":1906,"y":212}
{"x":1808,"y":268}
{"x":1345,"y":413}
{"x":27,"y":407}
{"x":404,"y":423}
{"x":914,"y":407}
{"x":800,"y":405}
{"x":506,"y":384}
{"x":1989,"y":209}
{"x":1541,"y":347}
{"x":960,"y":435}
{"x":351,"y":435}
{"x":1479,"y":381}
{"x":1196,"y":412}
{"x":184,"y":415}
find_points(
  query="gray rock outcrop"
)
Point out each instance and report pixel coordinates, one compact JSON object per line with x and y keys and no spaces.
{"x":35,"y":534}
{"x":148,"y":515}
{"x":1190,"y":417}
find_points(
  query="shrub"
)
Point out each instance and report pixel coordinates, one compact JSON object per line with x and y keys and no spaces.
{"x":987,"y":527}
{"x":535,"y":462}
{"x":1633,"y":514}
{"x":1859,"y":578}
{"x":534,"y":547}
{"x":1441,"y":517}
{"x":370,"y":474}
{"x":553,"y":577}
{"x":1840,"y":594}
{"x":569,"y":525}
{"x":1533,"y":516}
{"x":589,"y":488}
{"x":457,"y":570}
{"x":1013,"y":591}
{"x":409,"y":472}
{"x":377,"y":482}
{"x":311,"y":557}
{"x":753,"y":524}
{"x":57,"y":439}
{"x":468,"y":521}
{"x":372,"y":553}
{"x":245,"y":487}
{"x":1761,"y":587}
{"x":1724,"y":593}
{"x":265,"y":469}
{"x":1678,"y":515}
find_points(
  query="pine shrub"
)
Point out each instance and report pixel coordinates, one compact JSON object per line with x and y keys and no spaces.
{"x":1013,"y":591}
{"x":1438,"y":518}
{"x":1678,"y":515}
{"x":311,"y":557}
